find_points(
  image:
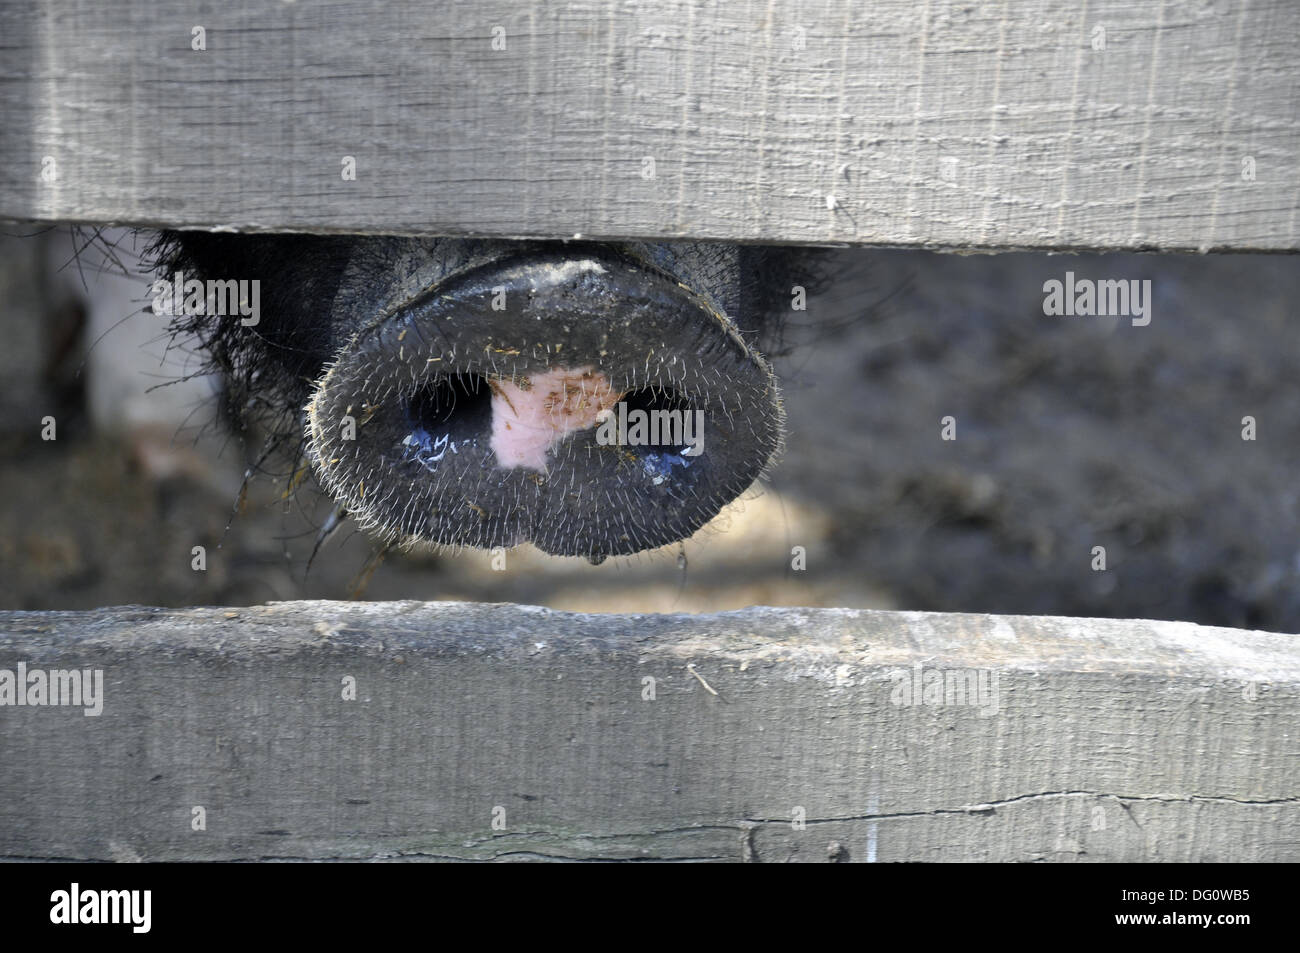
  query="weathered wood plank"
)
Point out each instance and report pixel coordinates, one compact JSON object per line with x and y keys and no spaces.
{"x":1091,"y":740}
{"x":1048,"y":124}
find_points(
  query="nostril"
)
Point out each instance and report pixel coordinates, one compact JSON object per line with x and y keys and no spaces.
{"x":447,"y":414}
{"x":459,"y":401}
{"x":665,"y":415}
{"x":651,"y":399}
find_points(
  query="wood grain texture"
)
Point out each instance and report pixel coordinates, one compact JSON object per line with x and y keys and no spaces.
{"x":1110,"y":739}
{"x":935,"y":124}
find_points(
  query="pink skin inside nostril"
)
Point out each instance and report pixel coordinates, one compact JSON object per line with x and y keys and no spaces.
{"x":531,"y":415}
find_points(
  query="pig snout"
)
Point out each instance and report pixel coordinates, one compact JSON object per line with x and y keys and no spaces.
{"x":582,"y":400}
{"x":594,"y":398}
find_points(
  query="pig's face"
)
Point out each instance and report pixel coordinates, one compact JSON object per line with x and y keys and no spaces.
{"x":593,"y":399}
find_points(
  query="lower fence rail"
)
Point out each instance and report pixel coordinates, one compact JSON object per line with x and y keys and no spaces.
{"x":430,"y":731}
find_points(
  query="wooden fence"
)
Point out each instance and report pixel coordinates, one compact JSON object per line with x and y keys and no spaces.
{"x":333,"y":730}
{"x":451,"y":730}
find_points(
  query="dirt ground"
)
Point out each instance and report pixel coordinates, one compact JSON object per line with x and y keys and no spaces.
{"x":1071,"y":433}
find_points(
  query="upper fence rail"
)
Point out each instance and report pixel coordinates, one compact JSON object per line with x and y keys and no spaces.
{"x":1052,"y":124}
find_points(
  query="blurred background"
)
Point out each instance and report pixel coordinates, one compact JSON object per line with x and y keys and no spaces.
{"x":1072,"y":433}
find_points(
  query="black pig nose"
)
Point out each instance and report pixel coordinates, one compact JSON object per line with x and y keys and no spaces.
{"x":481,"y":412}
